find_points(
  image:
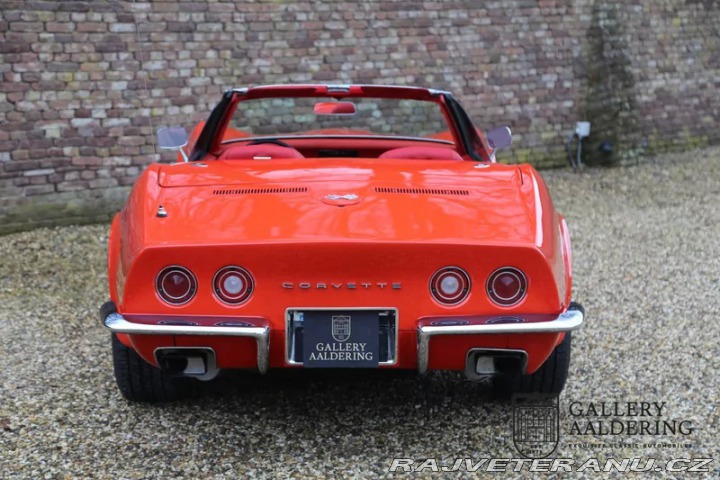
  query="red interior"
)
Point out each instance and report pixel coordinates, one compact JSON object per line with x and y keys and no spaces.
{"x":341,"y":147}
{"x":265,"y":151}
{"x":423,"y":153}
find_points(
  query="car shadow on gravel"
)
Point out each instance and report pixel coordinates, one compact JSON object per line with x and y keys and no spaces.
{"x":347,"y":412}
{"x":383,"y":396}
{"x":344,"y":386}
{"x":325,"y":415}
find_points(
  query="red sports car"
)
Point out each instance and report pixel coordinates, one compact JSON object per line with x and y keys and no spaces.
{"x":338,"y":226}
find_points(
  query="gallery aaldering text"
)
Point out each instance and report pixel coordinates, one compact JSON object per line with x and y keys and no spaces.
{"x":624,"y":418}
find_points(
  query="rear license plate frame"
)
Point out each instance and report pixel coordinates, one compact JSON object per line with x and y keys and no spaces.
{"x":388,"y":319}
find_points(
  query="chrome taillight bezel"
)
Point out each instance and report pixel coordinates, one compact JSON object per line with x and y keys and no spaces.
{"x":233,"y":300}
{"x":175,"y":300}
{"x":450,"y":300}
{"x":518,"y":297}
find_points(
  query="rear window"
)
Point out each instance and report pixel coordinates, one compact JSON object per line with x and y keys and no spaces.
{"x":282,"y":117}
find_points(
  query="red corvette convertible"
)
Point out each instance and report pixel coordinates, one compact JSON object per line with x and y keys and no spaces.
{"x":338,"y":226}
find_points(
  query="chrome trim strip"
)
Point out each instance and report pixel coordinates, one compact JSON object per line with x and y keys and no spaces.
{"x":339,"y":137}
{"x":116,"y":323}
{"x":570,"y":320}
{"x":338,"y":87}
{"x":289,"y":361}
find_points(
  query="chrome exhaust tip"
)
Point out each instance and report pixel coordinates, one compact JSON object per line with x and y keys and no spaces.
{"x":196,"y":362}
{"x":482,"y":363}
{"x":485,"y":365}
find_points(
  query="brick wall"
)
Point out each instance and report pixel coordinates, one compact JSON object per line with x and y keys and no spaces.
{"x":84,"y":84}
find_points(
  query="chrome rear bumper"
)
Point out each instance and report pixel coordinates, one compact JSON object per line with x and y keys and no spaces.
{"x":116,"y":323}
{"x":572,"y":319}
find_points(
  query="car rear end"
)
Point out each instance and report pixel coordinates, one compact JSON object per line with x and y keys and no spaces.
{"x":471,"y":279}
{"x":343,"y":305}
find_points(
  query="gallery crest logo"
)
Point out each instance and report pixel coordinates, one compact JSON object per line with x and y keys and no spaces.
{"x":341,"y":327}
{"x":536,"y":424}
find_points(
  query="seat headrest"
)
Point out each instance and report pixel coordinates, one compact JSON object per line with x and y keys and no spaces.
{"x":264,"y":151}
{"x":422,"y":153}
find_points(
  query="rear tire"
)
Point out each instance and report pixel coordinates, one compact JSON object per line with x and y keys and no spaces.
{"x":549,"y":379}
{"x":139,"y":381}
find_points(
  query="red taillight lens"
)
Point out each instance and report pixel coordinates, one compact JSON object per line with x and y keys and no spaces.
{"x":233,"y":285}
{"x":450,"y":285}
{"x":507,"y":286}
{"x":176,"y":285}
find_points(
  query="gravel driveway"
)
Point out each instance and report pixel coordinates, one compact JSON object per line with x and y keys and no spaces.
{"x":646,"y":243}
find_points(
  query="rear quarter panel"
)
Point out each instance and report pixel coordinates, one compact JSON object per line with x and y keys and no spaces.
{"x":127,"y":232}
{"x":552,"y":236}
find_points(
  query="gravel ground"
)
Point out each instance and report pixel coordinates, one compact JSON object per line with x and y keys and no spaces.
{"x":647,"y":262}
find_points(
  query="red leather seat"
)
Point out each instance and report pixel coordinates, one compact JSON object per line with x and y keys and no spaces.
{"x":422,"y":153}
{"x":264,"y":151}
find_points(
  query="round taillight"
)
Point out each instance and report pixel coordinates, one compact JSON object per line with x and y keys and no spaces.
{"x":450,"y":285}
{"x":507,"y":286}
{"x":176,"y":285}
{"x":233,"y":285}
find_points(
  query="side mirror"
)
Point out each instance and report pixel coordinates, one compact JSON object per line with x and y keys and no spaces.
{"x":499,"y":138}
{"x":334,"y":108}
{"x":173,"y":138}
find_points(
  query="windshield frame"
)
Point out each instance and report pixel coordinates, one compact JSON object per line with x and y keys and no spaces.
{"x":439,"y":116}
{"x":466,"y":138}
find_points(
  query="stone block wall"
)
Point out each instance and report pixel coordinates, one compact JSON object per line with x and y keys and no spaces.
{"x":84,"y":84}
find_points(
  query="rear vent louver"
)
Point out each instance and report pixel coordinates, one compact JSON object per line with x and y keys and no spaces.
{"x":422,"y":191}
{"x":259,"y":191}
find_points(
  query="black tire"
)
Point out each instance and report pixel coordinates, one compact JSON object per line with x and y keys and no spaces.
{"x":139,"y":381}
{"x":549,"y":379}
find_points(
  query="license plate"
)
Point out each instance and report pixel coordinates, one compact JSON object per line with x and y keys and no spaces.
{"x":337,"y":339}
